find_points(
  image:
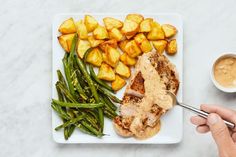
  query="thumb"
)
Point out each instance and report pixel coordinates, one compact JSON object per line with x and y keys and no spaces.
{"x":219,"y":131}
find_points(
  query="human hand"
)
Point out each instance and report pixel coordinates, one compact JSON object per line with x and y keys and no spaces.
{"x":225,"y":138}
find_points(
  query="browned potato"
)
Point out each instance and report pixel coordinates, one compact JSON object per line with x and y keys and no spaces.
{"x":94,"y":42}
{"x":122,"y":44}
{"x":111,"y":56}
{"x":123,"y":70}
{"x":171,"y":48}
{"x":132,"y":49}
{"x":160,"y":45}
{"x":135,"y":17}
{"x":67,"y":27}
{"x":95,"y":57}
{"x":156,"y":32}
{"x":116,"y":34}
{"x":146,"y":25}
{"x":90,"y":23}
{"x":143,"y":43}
{"x":82,"y":47}
{"x":112,"y":43}
{"x":111,"y":23}
{"x":65,"y":41}
{"x":100,"y":33}
{"x":130,"y":27}
{"x":81,"y":30}
{"x":169,"y":30}
{"x":127,"y":60}
{"x":130,"y":36}
{"x":118,"y":83}
{"x":106,"y":73}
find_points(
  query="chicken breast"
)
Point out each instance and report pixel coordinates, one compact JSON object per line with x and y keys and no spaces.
{"x":145,"y":99}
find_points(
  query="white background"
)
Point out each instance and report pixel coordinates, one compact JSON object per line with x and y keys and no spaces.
{"x":25,"y":73}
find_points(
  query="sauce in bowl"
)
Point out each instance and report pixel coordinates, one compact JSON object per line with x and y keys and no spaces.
{"x":225,"y":72}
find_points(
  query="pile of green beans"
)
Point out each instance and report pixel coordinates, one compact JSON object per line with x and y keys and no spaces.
{"x":83,"y":99}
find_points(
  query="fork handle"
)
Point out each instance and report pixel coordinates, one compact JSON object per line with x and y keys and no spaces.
{"x":204,"y":114}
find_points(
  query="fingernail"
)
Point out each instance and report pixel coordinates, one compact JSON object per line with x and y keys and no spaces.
{"x":213,"y":119}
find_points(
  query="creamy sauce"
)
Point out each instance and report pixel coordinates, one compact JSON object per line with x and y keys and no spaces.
{"x":225,"y":72}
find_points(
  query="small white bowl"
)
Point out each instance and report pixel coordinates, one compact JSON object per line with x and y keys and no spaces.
{"x":220,"y":87}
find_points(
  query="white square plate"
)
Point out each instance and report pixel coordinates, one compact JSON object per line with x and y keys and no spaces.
{"x":172,"y":122}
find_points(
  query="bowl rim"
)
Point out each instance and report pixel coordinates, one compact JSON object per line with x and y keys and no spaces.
{"x":217,"y":85}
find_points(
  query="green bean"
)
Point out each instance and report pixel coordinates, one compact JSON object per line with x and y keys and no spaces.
{"x":100,"y":82}
{"x":108,"y":94}
{"x":61,"y":114}
{"x":109,"y":115}
{"x":78,"y":87}
{"x":65,"y":92}
{"x":78,"y":105}
{"x":70,"y":122}
{"x":71,"y":130}
{"x":66,"y":133}
{"x":109,"y":103}
{"x":89,"y":127}
{"x":84,"y":129}
{"x":86,"y":54}
{"x":92,"y":88}
{"x":61,"y":78}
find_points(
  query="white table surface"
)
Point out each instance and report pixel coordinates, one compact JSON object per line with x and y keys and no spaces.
{"x":25,"y":73}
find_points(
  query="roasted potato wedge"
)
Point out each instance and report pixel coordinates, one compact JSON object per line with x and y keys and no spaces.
{"x":112,"y":56}
{"x":169,"y":30}
{"x":118,"y":83}
{"x":127,"y":60}
{"x":146,"y":25}
{"x":123,"y":70}
{"x":81,"y":30}
{"x":160,"y":45}
{"x":156,"y":33}
{"x":67,"y":27}
{"x":90,"y":23}
{"x":82,"y":47}
{"x":171,"y":47}
{"x":111,"y":23}
{"x":65,"y":41}
{"x":95,"y":57}
{"x":122,"y":44}
{"x":106,"y":73}
{"x":130,"y":27}
{"x":112,"y":43}
{"x":135,"y":17}
{"x":100,"y":33}
{"x":116,"y":34}
{"x":132,"y":49}
{"x":143,"y":43}
{"x":94,"y":42}
{"x":130,"y":36}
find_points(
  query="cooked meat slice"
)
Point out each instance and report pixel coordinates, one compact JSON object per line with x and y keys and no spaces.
{"x":122,"y":126}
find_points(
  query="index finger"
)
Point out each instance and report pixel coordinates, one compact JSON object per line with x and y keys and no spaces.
{"x":225,"y":113}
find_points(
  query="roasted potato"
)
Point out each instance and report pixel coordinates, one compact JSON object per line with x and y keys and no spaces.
{"x":132,"y":49}
{"x":82,"y":47}
{"x":116,"y":34}
{"x":169,"y":30}
{"x":135,"y":17}
{"x":130,"y":36}
{"x":106,"y":73}
{"x":100,"y":33}
{"x":127,"y":60}
{"x":65,"y":41}
{"x":123,"y":70}
{"x":67,"y":27}
{"x":118,"y":83}
{"x":156,"y":33}
{"x":112,"y":43}
{"x":81,"y":30}
{"x":90,"y":23}
{"x":111,"y":56}
{"x":95,"y":57}
{"x":111,"y":23}
{"x":160,"y":45}
{"x":146,"y":25}
{"x":122,"y":44}
{"x":130,"y":27}
{"x":142,"y":42}
{"x":94,"y":42}
{"x":171,"y":47}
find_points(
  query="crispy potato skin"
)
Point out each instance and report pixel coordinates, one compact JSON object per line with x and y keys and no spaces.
{"x":81,"y":30}
{"x":106,"y":73}
{"x":118,"y":83}
{"x":90,"y":23}
{"x":123,"y":70}
{"x":95,"y":57}
{"x":100,"y":33}
{"x":169,"y":30}
{"x":171,"y":48}
{"x":67,"y":27}
{"x":146,"y":25}
{"x":160,"y":45}
{"x":132,"y":49}
{"x":116,"y":34}
{"x":94,"y":42}
{"x":130,"y":28}
{"x":111,"y":23}
{"x":138,"y":18}
{"x":65,"y":41}
{"x":111,"y":56}
{"x":156,"y":32}
{"x":127,"y":60}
